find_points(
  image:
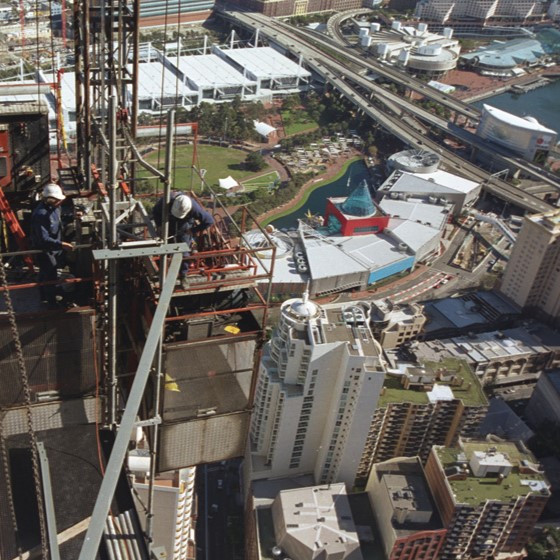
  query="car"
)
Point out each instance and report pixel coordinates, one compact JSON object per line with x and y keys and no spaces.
{"x":220,"y":484}
{"x":214,"y":508}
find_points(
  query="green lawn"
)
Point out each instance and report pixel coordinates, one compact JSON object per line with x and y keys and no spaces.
{"x":298,"y":121}
{"x":260,"y":181}
{"x":218,"y":162}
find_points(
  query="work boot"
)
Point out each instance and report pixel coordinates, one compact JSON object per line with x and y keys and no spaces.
{"x":185,"y":282}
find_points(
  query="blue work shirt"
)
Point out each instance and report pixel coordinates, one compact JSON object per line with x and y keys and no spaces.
{"x":46,"y":228}
{"x":196,"y":220}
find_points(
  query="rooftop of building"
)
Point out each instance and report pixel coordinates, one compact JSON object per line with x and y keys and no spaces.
{"x":385,"y":309}
{"x":507,"y":54}
{"x":436,"y":183}
{"x":525,"y":123}
{"x":209,"y":71}
{"x":361,"y":253}
{"x":414,"y":235}
{"x":266,"y":62}
{"x":474,"y":490}
{"x":468,"y":310}
{"x":496,"y":345}
{"x":153,"y":76}
{"x":466,"y":387}
{"x":264,"y":492}
{"x":404,"y":481}
{"x":342,"y":328}
{"x":418,"y":211}
{"x":319,"y":517}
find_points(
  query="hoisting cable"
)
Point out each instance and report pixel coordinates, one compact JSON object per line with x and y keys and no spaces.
{"x":8,"y":480}
{"x":162,"y":88}
{"x":29,"y":414}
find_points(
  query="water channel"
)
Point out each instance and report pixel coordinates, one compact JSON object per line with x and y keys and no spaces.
{"x":317,"y":201}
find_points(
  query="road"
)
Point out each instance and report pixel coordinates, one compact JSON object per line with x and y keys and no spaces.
{"x":219,"y":507}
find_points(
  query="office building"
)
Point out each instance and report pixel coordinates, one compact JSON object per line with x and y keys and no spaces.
{"x":393,"y":324}
{"x":544,"y":406}
{"x":405,"y":514}
{"x":420,"y":407}
{"x":532,"y":276}
{"x":517,"y":355}
{"x":490,"y":495}
{"x":318,"y":384}
{"x":524,"y":136}
{"x":280,"y":8}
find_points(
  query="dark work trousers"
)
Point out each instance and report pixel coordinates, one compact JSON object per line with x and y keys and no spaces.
{"x":48,"y":264}
{"x":185,"y":237}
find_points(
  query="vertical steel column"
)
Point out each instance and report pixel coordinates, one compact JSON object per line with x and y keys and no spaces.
{"x":113,"y":263}
{"x":48,"y":498}
{"x":159,"y":367}
{"x":105,"y":497}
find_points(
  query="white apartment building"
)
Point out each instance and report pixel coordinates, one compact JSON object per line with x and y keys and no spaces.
{"x":510,"y":11}
{"x":532,"y":276}
{"x":318,"y":386}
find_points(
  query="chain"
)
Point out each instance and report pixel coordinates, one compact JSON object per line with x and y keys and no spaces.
{"x":8,"y":479}
{"x":29,"y":413}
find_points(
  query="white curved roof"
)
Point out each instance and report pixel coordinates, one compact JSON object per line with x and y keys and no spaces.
{"x":304,"y":308}
{"x":514,"y":120}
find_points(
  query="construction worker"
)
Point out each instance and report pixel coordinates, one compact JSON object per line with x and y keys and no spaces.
{"x":46,"y":234}
{"x":186,"y":218}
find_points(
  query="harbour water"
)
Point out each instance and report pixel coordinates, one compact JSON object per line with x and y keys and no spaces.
{"x":542,"y":103}
{"x":317,"y":201}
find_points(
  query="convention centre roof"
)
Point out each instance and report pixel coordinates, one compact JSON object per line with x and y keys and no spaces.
{"x":209,"y":70}
{"x":265,"y":62}
{"x":527,"y":123}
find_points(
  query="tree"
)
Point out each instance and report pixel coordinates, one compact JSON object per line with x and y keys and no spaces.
{"x":545,"y":546}
{"x":254,"y":161}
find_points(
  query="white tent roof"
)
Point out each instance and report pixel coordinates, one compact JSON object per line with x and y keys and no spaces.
{"x":228,"y":183}
{"x":263,"y":129}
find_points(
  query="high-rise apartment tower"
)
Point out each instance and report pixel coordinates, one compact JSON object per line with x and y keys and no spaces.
{"x":532,"y":276}
{"x":318,"y":386}
{"x":489,"y":495}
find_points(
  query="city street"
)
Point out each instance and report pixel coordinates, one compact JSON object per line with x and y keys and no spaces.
{"x":219,"y":532}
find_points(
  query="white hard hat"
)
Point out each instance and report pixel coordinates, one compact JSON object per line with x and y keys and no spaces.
{"x":52,"y":190}
{"x":181,"y":206}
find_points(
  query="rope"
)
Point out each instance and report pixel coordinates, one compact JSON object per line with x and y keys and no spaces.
{"x":29,"y":413}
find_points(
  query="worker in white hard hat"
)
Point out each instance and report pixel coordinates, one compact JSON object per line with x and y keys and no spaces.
{"x":46,"y":234}
{"x":186,"y":218}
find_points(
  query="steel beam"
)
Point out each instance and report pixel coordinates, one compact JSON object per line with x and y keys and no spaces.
{"x":167,"y":249}
{"x":49,"y":505}
{"x":90,"y":546}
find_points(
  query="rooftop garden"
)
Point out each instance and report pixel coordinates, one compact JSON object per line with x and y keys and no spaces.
{"x":467,"y":389}
{"x":474,"y":490}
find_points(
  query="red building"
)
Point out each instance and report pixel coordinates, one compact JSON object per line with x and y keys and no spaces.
{"x":356,"y":214}
{"x":407,"y":520}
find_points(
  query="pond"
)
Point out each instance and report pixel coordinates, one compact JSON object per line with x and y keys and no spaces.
{"x":317,"y":201}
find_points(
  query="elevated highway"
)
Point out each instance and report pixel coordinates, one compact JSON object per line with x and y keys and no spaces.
{"x":338,"y":75}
